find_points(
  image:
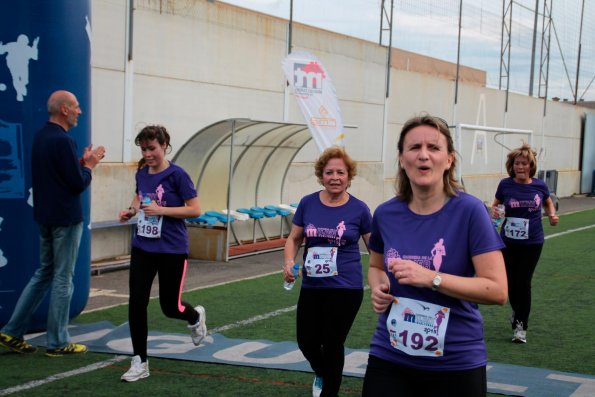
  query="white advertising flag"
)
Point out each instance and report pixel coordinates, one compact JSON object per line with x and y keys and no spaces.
{"x":316,"y":96}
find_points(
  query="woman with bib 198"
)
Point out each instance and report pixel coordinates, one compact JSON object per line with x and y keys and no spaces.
{"x":164,"y":196}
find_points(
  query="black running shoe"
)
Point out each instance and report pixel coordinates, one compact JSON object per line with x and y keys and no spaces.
{"x":71,"y":348}
{"x":16,"y":344}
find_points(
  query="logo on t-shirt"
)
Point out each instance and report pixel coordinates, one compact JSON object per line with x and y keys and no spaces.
{"x":531,"y":205}
{"x":334,"y":236}
{"x":432,"y":261}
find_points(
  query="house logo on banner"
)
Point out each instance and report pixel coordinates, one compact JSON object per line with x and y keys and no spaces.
{"x":316,"y":96}
{"x":308,"y":78}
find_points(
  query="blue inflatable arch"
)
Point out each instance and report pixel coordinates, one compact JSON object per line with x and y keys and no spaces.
{"x":36,"y":37}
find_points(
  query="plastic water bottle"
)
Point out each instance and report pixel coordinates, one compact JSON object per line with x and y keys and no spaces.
{"x":499,"y":216}
{"x":295,"y":270}
{"x":147,"y":201}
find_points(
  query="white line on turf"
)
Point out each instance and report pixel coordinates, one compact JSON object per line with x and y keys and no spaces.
{"x":102,"y":364}
{"x":253,"y":319}
{"x":63,"y":375}
{"x":569,"y":231}
{"x":258,"y":318}
{"x":188,"y":290}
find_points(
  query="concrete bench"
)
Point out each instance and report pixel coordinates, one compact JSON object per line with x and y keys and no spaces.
{"x":111,"y":223}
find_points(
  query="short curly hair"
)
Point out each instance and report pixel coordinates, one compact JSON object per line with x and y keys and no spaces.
{"x":335,"y":152}
{"x":524,"y":151}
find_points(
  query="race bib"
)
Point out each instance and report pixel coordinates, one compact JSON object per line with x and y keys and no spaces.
{"x":149,"y":226}
{"x":516,"y":228}
{"x":417,"y":328}
{"x":321,"y":262}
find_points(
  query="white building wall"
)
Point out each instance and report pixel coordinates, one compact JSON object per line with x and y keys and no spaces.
{"x":204,"y":62}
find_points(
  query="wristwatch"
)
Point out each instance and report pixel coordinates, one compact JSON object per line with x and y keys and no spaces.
{"x":436,"y":282}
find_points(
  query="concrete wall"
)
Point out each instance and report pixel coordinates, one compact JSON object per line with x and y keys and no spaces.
{"x":197,"y":62}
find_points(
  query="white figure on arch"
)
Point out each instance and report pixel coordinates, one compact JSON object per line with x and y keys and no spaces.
{"x":17,"y":59}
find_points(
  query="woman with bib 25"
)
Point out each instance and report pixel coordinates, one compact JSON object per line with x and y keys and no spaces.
{"x":332,"y":222}
{"x":434,"y":255}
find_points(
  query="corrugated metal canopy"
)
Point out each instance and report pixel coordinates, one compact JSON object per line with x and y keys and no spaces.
{"x":254,"y":155}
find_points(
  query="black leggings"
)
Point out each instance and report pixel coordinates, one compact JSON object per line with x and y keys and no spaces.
{"x":324,"y":318}
{"x":143,"y":268}
{"x":386,"y":379}
{"x":521,"y":261}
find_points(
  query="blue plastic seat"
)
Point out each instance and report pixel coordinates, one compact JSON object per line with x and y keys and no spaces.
{"x":209,"y":220}
{"x":256,"y":215}
{"x":278,"y":210}
{"x":220,"y":216}
{"x":252,"y":213}
{"x":266,"y":212}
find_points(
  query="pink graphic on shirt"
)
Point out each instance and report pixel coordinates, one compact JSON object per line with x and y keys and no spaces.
{"x":311,"y":231}
{"x":439,"y":317}
{"x":532,"y":204}
{"x":340,"y":230}
{"x":438,"y":252}
{"x":159,"y":192}
{"x":391,"y":254}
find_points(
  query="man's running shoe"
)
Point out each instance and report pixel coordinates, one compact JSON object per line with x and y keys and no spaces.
{"x":138,"y":370}
{"x":71,"y":348}
{"x":198,"y":331}
{"x":16,"y":344}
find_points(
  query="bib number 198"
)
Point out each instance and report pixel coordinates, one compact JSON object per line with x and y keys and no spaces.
{"x":149,"y":230}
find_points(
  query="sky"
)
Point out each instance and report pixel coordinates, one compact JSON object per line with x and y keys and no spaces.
{"x":430,"y":27}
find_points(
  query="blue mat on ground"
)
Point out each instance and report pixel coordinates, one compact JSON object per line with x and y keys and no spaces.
{"x":514,"y":380}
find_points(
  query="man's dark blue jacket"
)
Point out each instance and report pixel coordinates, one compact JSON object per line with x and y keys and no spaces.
{"x":58,"y":178}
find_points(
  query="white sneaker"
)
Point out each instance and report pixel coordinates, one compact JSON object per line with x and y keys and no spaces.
{"x":519,"y":335}
{"x":198,"y":331}
{"x":138,"y":370}
{"x":317,"y":386}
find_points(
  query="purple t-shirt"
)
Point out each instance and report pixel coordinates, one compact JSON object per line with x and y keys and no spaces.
{"x":169,"y":188}
{"x":523,"y":200}
{"x":446,"y":241}
{"x":340,"y":227}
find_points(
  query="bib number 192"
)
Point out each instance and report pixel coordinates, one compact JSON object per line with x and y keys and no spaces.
{"x":418,"y":341}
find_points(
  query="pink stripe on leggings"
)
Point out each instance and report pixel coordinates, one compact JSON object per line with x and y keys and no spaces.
{"x":181,"y":307}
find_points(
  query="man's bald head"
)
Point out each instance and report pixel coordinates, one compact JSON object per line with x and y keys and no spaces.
{"x":64,"y":109}
{"x":58,"y":99}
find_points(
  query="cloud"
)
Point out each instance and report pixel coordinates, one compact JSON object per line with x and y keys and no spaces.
{"x":430,"y":27}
